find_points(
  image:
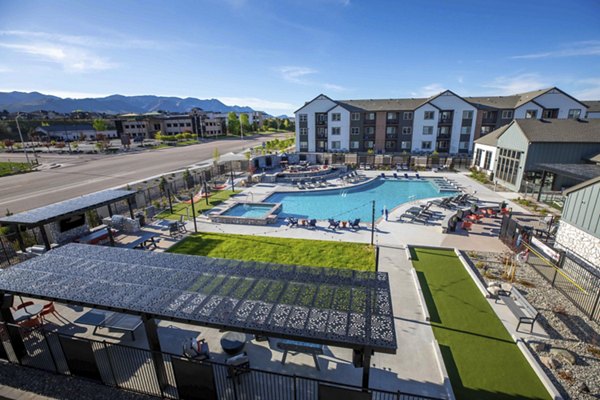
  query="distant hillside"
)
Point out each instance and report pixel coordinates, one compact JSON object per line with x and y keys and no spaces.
{"x":115,"y":104}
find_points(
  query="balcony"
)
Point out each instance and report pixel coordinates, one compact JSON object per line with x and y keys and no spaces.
{"x":445,"y":121}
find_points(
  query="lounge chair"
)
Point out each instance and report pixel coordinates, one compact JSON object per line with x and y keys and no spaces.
{"x":291,"y":221}
{"x":300,"y":186}
{"x":417,"y":175}
{"x":312,"y":224}
{"x":406,"y":176}
{"x":354,"y":224}
{"x":382,"y":175}
{"x":333,"y":224}
{"x":395,"y":175}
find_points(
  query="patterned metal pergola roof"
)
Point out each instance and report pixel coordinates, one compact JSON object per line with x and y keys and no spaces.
{"x":337,"y":307}
{"x":42,"y":215}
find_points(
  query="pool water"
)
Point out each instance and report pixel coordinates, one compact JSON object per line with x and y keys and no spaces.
{"x":355,"y":202}
{"x":249,"y":210}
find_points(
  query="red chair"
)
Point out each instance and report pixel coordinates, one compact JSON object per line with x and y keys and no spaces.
{"x":25,"y":304}
{"x":467,"y":225}
{"x":48,"y":309}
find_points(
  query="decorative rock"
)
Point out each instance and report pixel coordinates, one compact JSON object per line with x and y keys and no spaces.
{"x":564,"y":354}
{"x":583,"y":387}
{"x":539,"y":347}
{"x":550,"y":362}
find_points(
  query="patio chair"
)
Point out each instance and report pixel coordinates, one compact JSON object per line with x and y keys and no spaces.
{"x":395,"y":175}
{"x":354,"y":224}
{"x":291,"y":222}
{"x":406,"y":176}
{"x":300,"y":186}
{"x":174,"y":229}
{"x":382,"y":175}
{"x":50,"y":309}
{"x":181,"y":224}
{"x":237,"y":365}
{"x":467,"y":225}
{"x":417,"y":175}
{"x":24,"y":304}
{"x":333,"y":224}
{"x":312,"y":224}
{"x":196,"y":349}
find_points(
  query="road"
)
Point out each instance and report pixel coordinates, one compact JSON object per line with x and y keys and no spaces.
{"x":85,"y":173}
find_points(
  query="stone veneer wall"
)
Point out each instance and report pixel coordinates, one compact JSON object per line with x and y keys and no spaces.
{"x":583,"y":244}
{"x":56,"y":236}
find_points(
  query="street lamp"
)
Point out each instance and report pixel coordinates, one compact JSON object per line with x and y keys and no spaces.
{"x":21,"y":136}
{"x":241,"y":127}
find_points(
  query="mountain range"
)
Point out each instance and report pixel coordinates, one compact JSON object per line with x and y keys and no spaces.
{"x":115,"y":104}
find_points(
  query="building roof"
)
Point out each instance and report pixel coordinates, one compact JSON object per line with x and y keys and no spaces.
{"x":595,"y":159}
{"x":491,"y":139}
{"x":593,"y":105}
{"x":512,"y":101}
{"x":580,"y":172}
{"x":560,"y":130}
{"x":331,"y":306}
{"x":582,"y":185}
{"x":384,"y":104}
{"x":67,"y":128}
{"x":42,"y":215}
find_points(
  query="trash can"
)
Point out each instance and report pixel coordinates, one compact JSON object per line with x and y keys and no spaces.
{"x":141,"y":218}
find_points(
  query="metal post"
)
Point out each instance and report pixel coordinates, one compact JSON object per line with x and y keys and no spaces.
{"x":194,"y":212}
{"x":539,"y":196}
{"x":154,"y":347}
{"x":232,"y":186}
{"x":373,"y":223}
{"x":130,"y":208}
{"x":21,"y":136}
{"x":20,"y":238}
{"x":366,"y":368}
{"x":110,"y":236}
{"x":4,"y":251}
{"x":205,"y":190}
{"x":14,"y":335}
{"x":376,"y":258}
{"x":110,"y":212}
{"x":170,"y":203}
{"x":45,"y":237}
{"x":595,"y":305}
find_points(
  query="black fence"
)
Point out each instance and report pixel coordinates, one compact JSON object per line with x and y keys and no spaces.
{"x":167,"y":375}
{"x":565,"y":271}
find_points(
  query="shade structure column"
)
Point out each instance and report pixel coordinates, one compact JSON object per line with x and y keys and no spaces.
{"x":130,"y":208}
{"x":14,"y":335}
{"x":366,"y":367}
{"x":45,"y":237}
{"x":539,"y":196}
{"x":151,"y":329}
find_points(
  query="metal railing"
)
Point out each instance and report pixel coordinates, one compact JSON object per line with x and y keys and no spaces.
{"x":161,"y":374}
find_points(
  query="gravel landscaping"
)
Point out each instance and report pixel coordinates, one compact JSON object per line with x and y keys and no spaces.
{"x":60,"y":386}
{"x":571,"y":356}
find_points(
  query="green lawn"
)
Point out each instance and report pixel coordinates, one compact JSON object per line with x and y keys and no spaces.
{"x":482,"y":360}
{"x":9,"y":168}
{"x":314,"y":253}
{"x":180,"y":209}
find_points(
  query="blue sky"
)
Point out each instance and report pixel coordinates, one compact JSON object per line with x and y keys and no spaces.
{"x":275,"y":55}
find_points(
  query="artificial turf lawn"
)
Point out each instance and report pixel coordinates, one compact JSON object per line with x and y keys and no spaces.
{"x":313,"y":253}
{"x":200,"y":206}
{"x":482,"y":360}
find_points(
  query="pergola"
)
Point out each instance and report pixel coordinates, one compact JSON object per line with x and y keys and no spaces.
{"x":578,"y":172}
{"x":41,"y":216}
{"x":337,"y":307}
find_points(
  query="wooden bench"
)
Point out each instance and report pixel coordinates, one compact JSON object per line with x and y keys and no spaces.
{"x":301,"y":347}
{"x":524,"y":311}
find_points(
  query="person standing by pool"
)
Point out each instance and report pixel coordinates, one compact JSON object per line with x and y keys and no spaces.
{"x":385,"y":212}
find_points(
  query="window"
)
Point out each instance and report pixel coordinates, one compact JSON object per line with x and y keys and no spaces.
{"x":446,"y":115}
{"x":354,"y":145}
{"x":168,"y":125}
{"x":574,"y":113}
{"x":355,"y":131}
{"x":369,"y":144}
{"x":428,"y":130}
{"x":390,"y":130}
{"x":302,"y":117}
{"x":408,"y":115}
{"x":336,"y":131}
{"x":156,"y":127}
{"x":336,"y":117}
{"x":478,"y":153}
{"x":405,"y":145}
{"x":336,"y":145}
{"x":370,"y":116}
{"x":322,"y":117}
{"x":444,"y":130}
{"x":321,"y":144}
{"x":369,"y":130}
{"x":429,"y":115}
{"x":304,"y":131}
{"x":507,"y":114}
{"x":355,"y":116}
{"x":531,"y":114}
{"x":426,"y":145}
{"x":321,"y":131}
{"x":390,"y":144}
{"x":485,"y":130}
{"x":406,"y":130}
{"x":304,"y":145}
{"x":550,"y":113}
{"x":467,"y":114}
{"x":465,"y":130}
{"x":181,"y":124}
{"x":507,"y":166}
{"x":463,"y":145}
{"x":488,"y":160}
{"x":392,"y":115}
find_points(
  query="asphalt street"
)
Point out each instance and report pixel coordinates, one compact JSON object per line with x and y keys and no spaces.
{"x":87,"y":173}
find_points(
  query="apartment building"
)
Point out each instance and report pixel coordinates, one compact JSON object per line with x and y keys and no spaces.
{"x":446,"y":122}
{"x":144,"y":126}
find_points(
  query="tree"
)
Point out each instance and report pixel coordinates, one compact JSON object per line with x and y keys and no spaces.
{"x":233,"y":124}
{"x":159,"y":136}
{"x":245,"y":122}
{"x":273,"y":123}
{"x":9,"y":143}
{"x":216,"y":155}
{"x":99,"y":125}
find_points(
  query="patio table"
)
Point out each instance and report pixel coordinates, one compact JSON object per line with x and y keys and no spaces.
{"x":233,"y":342}
{"x":28,"y":312}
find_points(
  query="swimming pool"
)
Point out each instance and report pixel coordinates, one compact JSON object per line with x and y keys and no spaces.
{"x":355,"y":202}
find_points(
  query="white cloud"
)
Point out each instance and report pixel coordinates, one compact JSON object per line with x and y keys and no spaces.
{"x":72,"y":59}
{"x":428,"y":90}
{"x":296,"y":74}
{"x":332,"y":86}
{"x":591,"y":90}
{"x":58,"y":93}
{"x":4,"y":69}
{"x":256,"y":103}
{"x":506,"y":85}
{"x":585,"y":48}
